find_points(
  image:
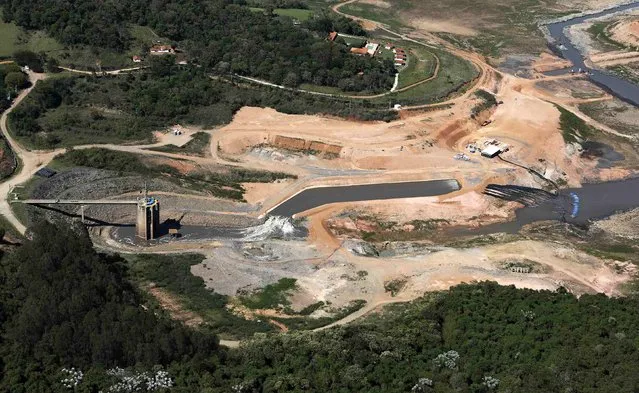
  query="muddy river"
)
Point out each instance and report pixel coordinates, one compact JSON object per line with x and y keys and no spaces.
{"x":621,"y":88}
{"x":574,"y":205}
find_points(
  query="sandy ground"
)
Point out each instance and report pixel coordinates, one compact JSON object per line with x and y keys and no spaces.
{"x":334,"y":276}
{"x":626,"y":31}
{"x":168,"y":137}
{"x":464,"y":209}
{"x":608,"y":59}
{"x":624,"y":224}
{"x":548,"y":62}
{"x":624,"y":28}
{"x":377,"y":3}
{"x":442,"y":26}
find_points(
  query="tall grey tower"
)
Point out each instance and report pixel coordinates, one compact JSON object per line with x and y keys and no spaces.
{"x":148,"y":218}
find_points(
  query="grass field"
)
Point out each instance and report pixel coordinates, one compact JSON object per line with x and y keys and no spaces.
{"x":387,"y":16}
{"x":599,"y":33}
{"x":294,"y":13}
{"x":224,"y":182}
{"x":454,"y":75}
{"x":615,"y":113}
{"x":13,"y":38}
{"x":421,"y":65}
{"x":304,"y":323}
{"x":272,"y":296}
{"x":573,"y":128}
{"x":628,"y":71}
{"x":85,"y":58}
{"x":143,"y":35}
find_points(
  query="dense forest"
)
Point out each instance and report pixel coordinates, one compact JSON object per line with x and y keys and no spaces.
{"x":71,"y":319}
{"x":65,"y":306}
{"x":220,"y":36}
{"x":75,"y":110}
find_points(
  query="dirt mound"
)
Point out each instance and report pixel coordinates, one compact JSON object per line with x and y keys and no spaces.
{"x":547,"y":62}
{"x":626,"y":31}
{"x":451,"y":134}
{"x":299,"y":144}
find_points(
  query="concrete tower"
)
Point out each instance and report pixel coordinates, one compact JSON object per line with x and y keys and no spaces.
{"x":148,"y":220}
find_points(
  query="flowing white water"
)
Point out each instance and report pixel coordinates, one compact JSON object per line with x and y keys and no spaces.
{"x":274,"y":226}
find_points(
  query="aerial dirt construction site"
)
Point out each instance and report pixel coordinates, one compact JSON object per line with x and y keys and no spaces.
{"x":380,"y":212}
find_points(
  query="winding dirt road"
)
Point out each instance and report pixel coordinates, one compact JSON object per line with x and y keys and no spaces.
{"x":29,"y":162}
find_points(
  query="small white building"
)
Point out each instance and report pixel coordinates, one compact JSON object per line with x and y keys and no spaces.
{"x":491,"y":151}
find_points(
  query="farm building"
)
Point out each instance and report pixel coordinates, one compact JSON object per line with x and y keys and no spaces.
{"x":491,"y":151}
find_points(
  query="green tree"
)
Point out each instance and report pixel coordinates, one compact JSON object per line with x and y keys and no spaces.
{"x":30,"y":59}
{"x":16,"y":81}
{"x":291,"y":79}
{"x":52,"y":65}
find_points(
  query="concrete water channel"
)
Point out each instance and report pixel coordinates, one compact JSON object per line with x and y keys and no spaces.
{"x":303,"y":201}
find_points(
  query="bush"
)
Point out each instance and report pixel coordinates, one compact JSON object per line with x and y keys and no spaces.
{"x":30,"y":59}
{"x":16,"y":81}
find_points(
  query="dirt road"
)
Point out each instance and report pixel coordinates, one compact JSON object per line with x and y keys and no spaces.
{"x":29,"y":162}
{"x":113,"y":72}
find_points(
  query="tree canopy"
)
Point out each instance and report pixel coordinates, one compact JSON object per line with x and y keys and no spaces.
{"x":64,"y":306}
{"x":219,"y":35}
